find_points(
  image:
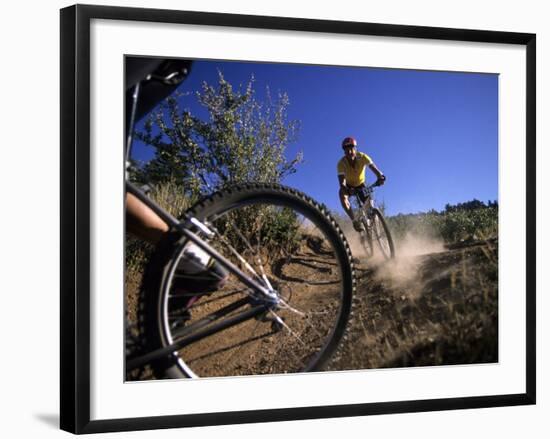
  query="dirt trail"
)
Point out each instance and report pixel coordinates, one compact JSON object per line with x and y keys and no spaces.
{"x":429,"y":309}
{"x":430,"y":306}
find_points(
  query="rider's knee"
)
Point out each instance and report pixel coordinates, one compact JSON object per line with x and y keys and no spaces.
{"x":344,"y":197}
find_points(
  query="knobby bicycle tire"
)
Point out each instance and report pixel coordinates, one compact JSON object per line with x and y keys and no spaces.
{"x":388,"y":253}
{"x":317,"y":284}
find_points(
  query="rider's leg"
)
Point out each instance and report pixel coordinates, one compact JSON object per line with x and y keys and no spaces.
{"x":142,"y":221}
{"x":344,"y":200}
{"x":197,"y":271}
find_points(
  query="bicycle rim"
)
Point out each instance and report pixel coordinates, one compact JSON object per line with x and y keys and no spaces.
{"x":291,"y":246}
{"x":382,"y":235}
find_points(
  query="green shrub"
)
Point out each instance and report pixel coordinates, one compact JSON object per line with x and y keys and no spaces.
{"x":272,"y":230}
{"x":451,"y":226}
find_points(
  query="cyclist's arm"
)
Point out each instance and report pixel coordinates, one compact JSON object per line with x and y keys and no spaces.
{"x":341,"y":172}
{"x":142,"y":222}
{"x":342,"y":180}
{"x":377,"y":172}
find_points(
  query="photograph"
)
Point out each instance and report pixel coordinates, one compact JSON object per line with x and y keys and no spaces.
{"x":271,"y":218}
{"x":285,"y":218}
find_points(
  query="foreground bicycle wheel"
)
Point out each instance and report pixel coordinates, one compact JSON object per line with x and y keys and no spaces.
{"x":291,"y":244}
{"x":382,"y":235}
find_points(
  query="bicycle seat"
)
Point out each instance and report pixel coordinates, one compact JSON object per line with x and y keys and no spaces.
{"x":166,"y":71}
{"x":159,"y":77}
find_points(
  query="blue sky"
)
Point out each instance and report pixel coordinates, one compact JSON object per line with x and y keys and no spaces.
{"x":434,"y":134}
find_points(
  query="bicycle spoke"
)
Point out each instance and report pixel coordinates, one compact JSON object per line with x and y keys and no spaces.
{"x":258,"y":257}
{"x":239,"y":257}
{"x":282,"y":322}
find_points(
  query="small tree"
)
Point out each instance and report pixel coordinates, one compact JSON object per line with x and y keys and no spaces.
{"x":243,"y":139}
{"x":178,"y":156}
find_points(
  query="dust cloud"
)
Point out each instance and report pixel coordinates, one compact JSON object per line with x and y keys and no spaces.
{"x":401,"y":274}
{"x":409,"y":246}
{"x":414,"y":245}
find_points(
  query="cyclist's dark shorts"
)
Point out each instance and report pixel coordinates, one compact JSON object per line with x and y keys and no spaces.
{"x":359,"y":190}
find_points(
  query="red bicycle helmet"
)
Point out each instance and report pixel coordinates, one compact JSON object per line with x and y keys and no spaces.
{"x":349,"y":141}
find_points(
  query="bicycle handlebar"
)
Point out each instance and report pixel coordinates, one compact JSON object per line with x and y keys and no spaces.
{"x":366,"y":191}
{"x":368,"y":188}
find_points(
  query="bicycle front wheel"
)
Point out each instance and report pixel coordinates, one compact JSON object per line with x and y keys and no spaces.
{"x":286,"y":242}
{"x":382,"y":235}
{"x":366,"y":239}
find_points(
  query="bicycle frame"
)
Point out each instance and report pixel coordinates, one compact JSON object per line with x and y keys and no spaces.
{"x":364,"y":207}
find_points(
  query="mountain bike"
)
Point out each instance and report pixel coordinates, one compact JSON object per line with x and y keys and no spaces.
{"x":374,"y":226}
{"x":284,"y":307}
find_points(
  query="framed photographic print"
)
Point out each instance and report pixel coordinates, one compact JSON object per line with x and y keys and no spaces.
{"x":272,"y":218}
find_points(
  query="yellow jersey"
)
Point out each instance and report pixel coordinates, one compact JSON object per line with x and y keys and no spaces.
{"x":354,"y":174}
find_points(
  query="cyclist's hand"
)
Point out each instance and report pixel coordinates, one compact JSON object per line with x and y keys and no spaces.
{"x":381,"y":180}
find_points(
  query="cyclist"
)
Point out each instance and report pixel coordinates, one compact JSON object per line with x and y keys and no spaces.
{"x":351,"y":175}
{"x":197,"y":271}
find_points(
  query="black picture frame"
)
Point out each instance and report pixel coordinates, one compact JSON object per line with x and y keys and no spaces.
{"x":75,"y":217}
